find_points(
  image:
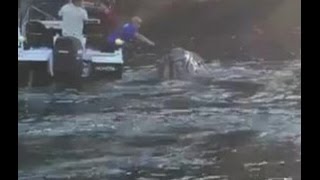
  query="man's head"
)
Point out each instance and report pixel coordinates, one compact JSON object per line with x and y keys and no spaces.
{"x":77,"y":2}
{"x":137,"y":21}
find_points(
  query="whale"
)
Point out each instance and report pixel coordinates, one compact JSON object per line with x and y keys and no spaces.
{"x":181,"y":64}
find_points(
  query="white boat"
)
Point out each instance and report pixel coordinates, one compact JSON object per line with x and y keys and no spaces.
{"x":44,"y":54}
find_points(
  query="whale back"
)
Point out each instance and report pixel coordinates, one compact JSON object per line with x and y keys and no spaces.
{"x":181,"y":64}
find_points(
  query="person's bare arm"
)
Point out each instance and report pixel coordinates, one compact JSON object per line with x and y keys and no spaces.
{"x":144,"y":39}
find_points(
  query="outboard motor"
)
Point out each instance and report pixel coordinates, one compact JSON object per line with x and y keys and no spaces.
{"x":67,"y":60}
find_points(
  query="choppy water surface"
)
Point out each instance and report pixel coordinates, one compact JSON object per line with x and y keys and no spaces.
{"x":241,"y":123}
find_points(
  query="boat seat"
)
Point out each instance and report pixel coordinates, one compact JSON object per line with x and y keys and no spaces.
{"x":38,"y":35}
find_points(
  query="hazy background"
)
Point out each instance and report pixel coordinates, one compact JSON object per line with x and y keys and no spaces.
{"x":224,"y":29}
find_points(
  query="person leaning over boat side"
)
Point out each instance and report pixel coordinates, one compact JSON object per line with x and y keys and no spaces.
{"x":73,"y":18}
{"x":127,"y":33}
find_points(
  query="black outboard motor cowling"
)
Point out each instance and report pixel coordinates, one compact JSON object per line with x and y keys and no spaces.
{"x":67,"y":62}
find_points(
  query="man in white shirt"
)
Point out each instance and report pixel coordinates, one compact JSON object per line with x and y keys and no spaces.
{"x":73,"y":17}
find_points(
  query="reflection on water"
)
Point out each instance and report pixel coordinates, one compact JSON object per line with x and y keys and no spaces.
{"x":241,"y":123}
